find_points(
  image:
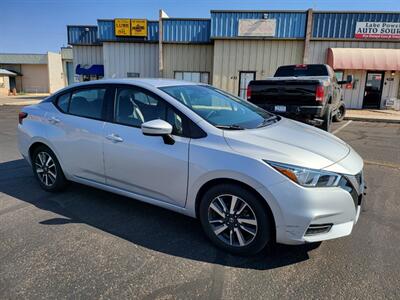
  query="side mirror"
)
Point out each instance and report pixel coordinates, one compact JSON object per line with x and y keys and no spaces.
{"x":349,"y":79}
{"x":159,"y":128}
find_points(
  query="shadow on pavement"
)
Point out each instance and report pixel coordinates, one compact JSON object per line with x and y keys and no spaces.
{"x":142,"y":224}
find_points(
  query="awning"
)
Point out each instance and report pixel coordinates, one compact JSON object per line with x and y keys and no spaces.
{"x":92,"y":70}
{"x":364,"y":59}
{"x":7,"y":73}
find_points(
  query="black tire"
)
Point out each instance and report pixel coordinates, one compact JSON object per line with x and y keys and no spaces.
{"x":341,"y":111}
{"x":261,"y":232}
{"x":54,"y":184}
{"x":327,"y":123}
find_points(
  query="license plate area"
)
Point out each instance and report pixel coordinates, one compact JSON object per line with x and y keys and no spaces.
{"x":280,"y":108}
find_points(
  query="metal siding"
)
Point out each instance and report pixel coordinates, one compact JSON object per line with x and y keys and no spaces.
{"x":82,"y":35}
{"x":288,"y":24}
{"x":186,"y":31}
{"x":87,"y":55}
{"x":343,"y":25}
{"x":121,"y":58}
{"x":262,"y":56}
{"x":182,"y":57}
{"x":318,"y":53}
{"x":106,"y":32}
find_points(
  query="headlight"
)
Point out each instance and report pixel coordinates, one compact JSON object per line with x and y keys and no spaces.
{"x":307,"y":177}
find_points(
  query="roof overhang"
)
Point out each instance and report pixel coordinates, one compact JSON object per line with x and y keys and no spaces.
{"x":7,"y":73}
{"x":364,"y":59}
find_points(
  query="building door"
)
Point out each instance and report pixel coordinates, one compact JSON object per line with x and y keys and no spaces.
{"x":13,"y":83}
{"x":373,"y":89}
{"x":244,"y":78}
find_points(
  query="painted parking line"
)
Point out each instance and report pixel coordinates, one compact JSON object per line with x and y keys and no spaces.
{"x":342,"y":127}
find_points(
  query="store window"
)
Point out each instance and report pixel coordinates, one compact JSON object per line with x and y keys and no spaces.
{"x":339,"y":75}
{"x":198,"y":77}
{"x":132,"y":75}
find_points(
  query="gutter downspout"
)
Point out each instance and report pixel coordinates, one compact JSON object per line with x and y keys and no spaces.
{"x":306,"y":52}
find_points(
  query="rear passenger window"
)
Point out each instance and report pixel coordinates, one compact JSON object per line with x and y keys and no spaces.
{"x":87,"y":103}
{"x":62,"y":102}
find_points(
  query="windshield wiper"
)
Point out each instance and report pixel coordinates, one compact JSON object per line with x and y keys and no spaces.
{"x":267,"y":121}
{"x":230,"y":127}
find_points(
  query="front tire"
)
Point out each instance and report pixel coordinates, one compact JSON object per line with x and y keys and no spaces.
{"x":47,"y":169}
{"x":341,"y":111}
{"x":234,"y":219}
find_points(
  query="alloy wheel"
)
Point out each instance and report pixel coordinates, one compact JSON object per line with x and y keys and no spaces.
{"x":232,"y":220}
{"x":45,"y":168}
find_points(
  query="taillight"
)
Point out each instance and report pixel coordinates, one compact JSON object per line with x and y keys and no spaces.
{"x":21,"y":116}
{"x":319,"y":93}
{"x":248,"y":92}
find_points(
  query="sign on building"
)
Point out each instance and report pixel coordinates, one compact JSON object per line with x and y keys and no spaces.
{"x":130,"y":27}
{"x":257,"y":27}
{"x":377,"y":30}
{"x":138,"y":27}
{"x":122,"y":27}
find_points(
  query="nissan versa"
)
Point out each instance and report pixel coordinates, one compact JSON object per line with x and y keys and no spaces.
{"x":251,"y":177}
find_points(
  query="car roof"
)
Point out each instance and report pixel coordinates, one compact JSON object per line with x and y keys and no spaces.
{"x":150,"y":82}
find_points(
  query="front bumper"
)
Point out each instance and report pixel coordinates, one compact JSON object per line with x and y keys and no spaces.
{"x":298,"y":209}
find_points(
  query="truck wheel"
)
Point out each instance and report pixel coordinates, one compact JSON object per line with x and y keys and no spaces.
{"x":340,"y":113}
{"x":327,"y":124}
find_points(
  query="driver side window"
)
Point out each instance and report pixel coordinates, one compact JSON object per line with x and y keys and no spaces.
{"x":133,"y":107}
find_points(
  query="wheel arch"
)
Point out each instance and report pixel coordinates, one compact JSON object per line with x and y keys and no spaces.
{"x":218,"y":181}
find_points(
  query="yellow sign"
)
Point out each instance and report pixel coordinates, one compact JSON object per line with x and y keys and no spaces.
{"x":122,"y":27}
{"x":138,"y":27}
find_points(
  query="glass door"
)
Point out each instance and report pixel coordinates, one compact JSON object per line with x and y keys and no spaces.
{"x":244,"y":78}
{"x":373,"y":90}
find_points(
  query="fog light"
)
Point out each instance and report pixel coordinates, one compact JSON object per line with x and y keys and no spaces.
{"x":318,"y":229}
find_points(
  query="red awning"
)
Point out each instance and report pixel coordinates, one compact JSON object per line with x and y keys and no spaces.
{"x":364,"y":59}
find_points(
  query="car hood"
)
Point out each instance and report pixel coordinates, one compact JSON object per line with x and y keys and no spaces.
{"x":289,"y":142}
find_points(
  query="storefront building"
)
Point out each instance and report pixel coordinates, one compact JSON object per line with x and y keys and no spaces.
{"x":34,"y":73}
{"x":233,"y":47}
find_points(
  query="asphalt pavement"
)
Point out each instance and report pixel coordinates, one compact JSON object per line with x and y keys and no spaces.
{"x":90,"y":244}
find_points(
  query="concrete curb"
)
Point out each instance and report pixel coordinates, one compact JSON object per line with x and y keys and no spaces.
{"x":366,"y":119}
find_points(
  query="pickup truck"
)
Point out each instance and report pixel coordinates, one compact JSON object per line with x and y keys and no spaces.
{"x":308,"y":93}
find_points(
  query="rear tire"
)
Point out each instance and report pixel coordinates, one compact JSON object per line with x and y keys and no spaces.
{"x":47,"y":169}
{"x":341,"y":111}
{"x":327,"y":124}
{"x":234,"y":219}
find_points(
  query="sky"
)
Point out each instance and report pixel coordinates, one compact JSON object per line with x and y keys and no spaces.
{"x":39,"y":26}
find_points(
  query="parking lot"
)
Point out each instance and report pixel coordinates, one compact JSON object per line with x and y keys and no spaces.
{"x":87,"y":243}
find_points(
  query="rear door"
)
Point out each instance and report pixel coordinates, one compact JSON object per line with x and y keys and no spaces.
{"x":77,"y":131}
{"x":141,"y":164}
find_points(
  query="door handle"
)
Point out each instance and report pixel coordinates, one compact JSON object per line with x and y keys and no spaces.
{"x":53,"y":120}
{"x":114,"y":138}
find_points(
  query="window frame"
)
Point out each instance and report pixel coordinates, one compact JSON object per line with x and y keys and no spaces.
{"x":200,"y":72}
{"x":111,"y":109}
{"x":71,"y":91}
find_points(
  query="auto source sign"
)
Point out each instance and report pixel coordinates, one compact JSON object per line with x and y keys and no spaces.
{"x":377,"y":30}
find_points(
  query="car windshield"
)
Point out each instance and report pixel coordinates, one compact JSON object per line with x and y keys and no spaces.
{"x":219,"y":108}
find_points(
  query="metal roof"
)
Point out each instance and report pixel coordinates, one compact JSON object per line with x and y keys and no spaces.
{"x":186,"y":30}
{"x":23,"y":58}
{"x":106,"y":32}
{"x":342,"y":25}
{"x":82,"y":35}
{"x":224,"y":24}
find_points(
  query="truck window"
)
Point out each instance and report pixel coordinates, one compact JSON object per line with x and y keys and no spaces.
{"x":301,"y":70}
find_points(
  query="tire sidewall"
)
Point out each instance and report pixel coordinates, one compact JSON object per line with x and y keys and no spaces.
{"x":263,"y":236}
{"x":60,"y":178}
{"x":342,"y":109}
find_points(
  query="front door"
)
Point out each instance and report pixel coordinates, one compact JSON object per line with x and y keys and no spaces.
{"x":141,"y":164}
{"x":373,"y":90}
{"x":244,"y":79}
